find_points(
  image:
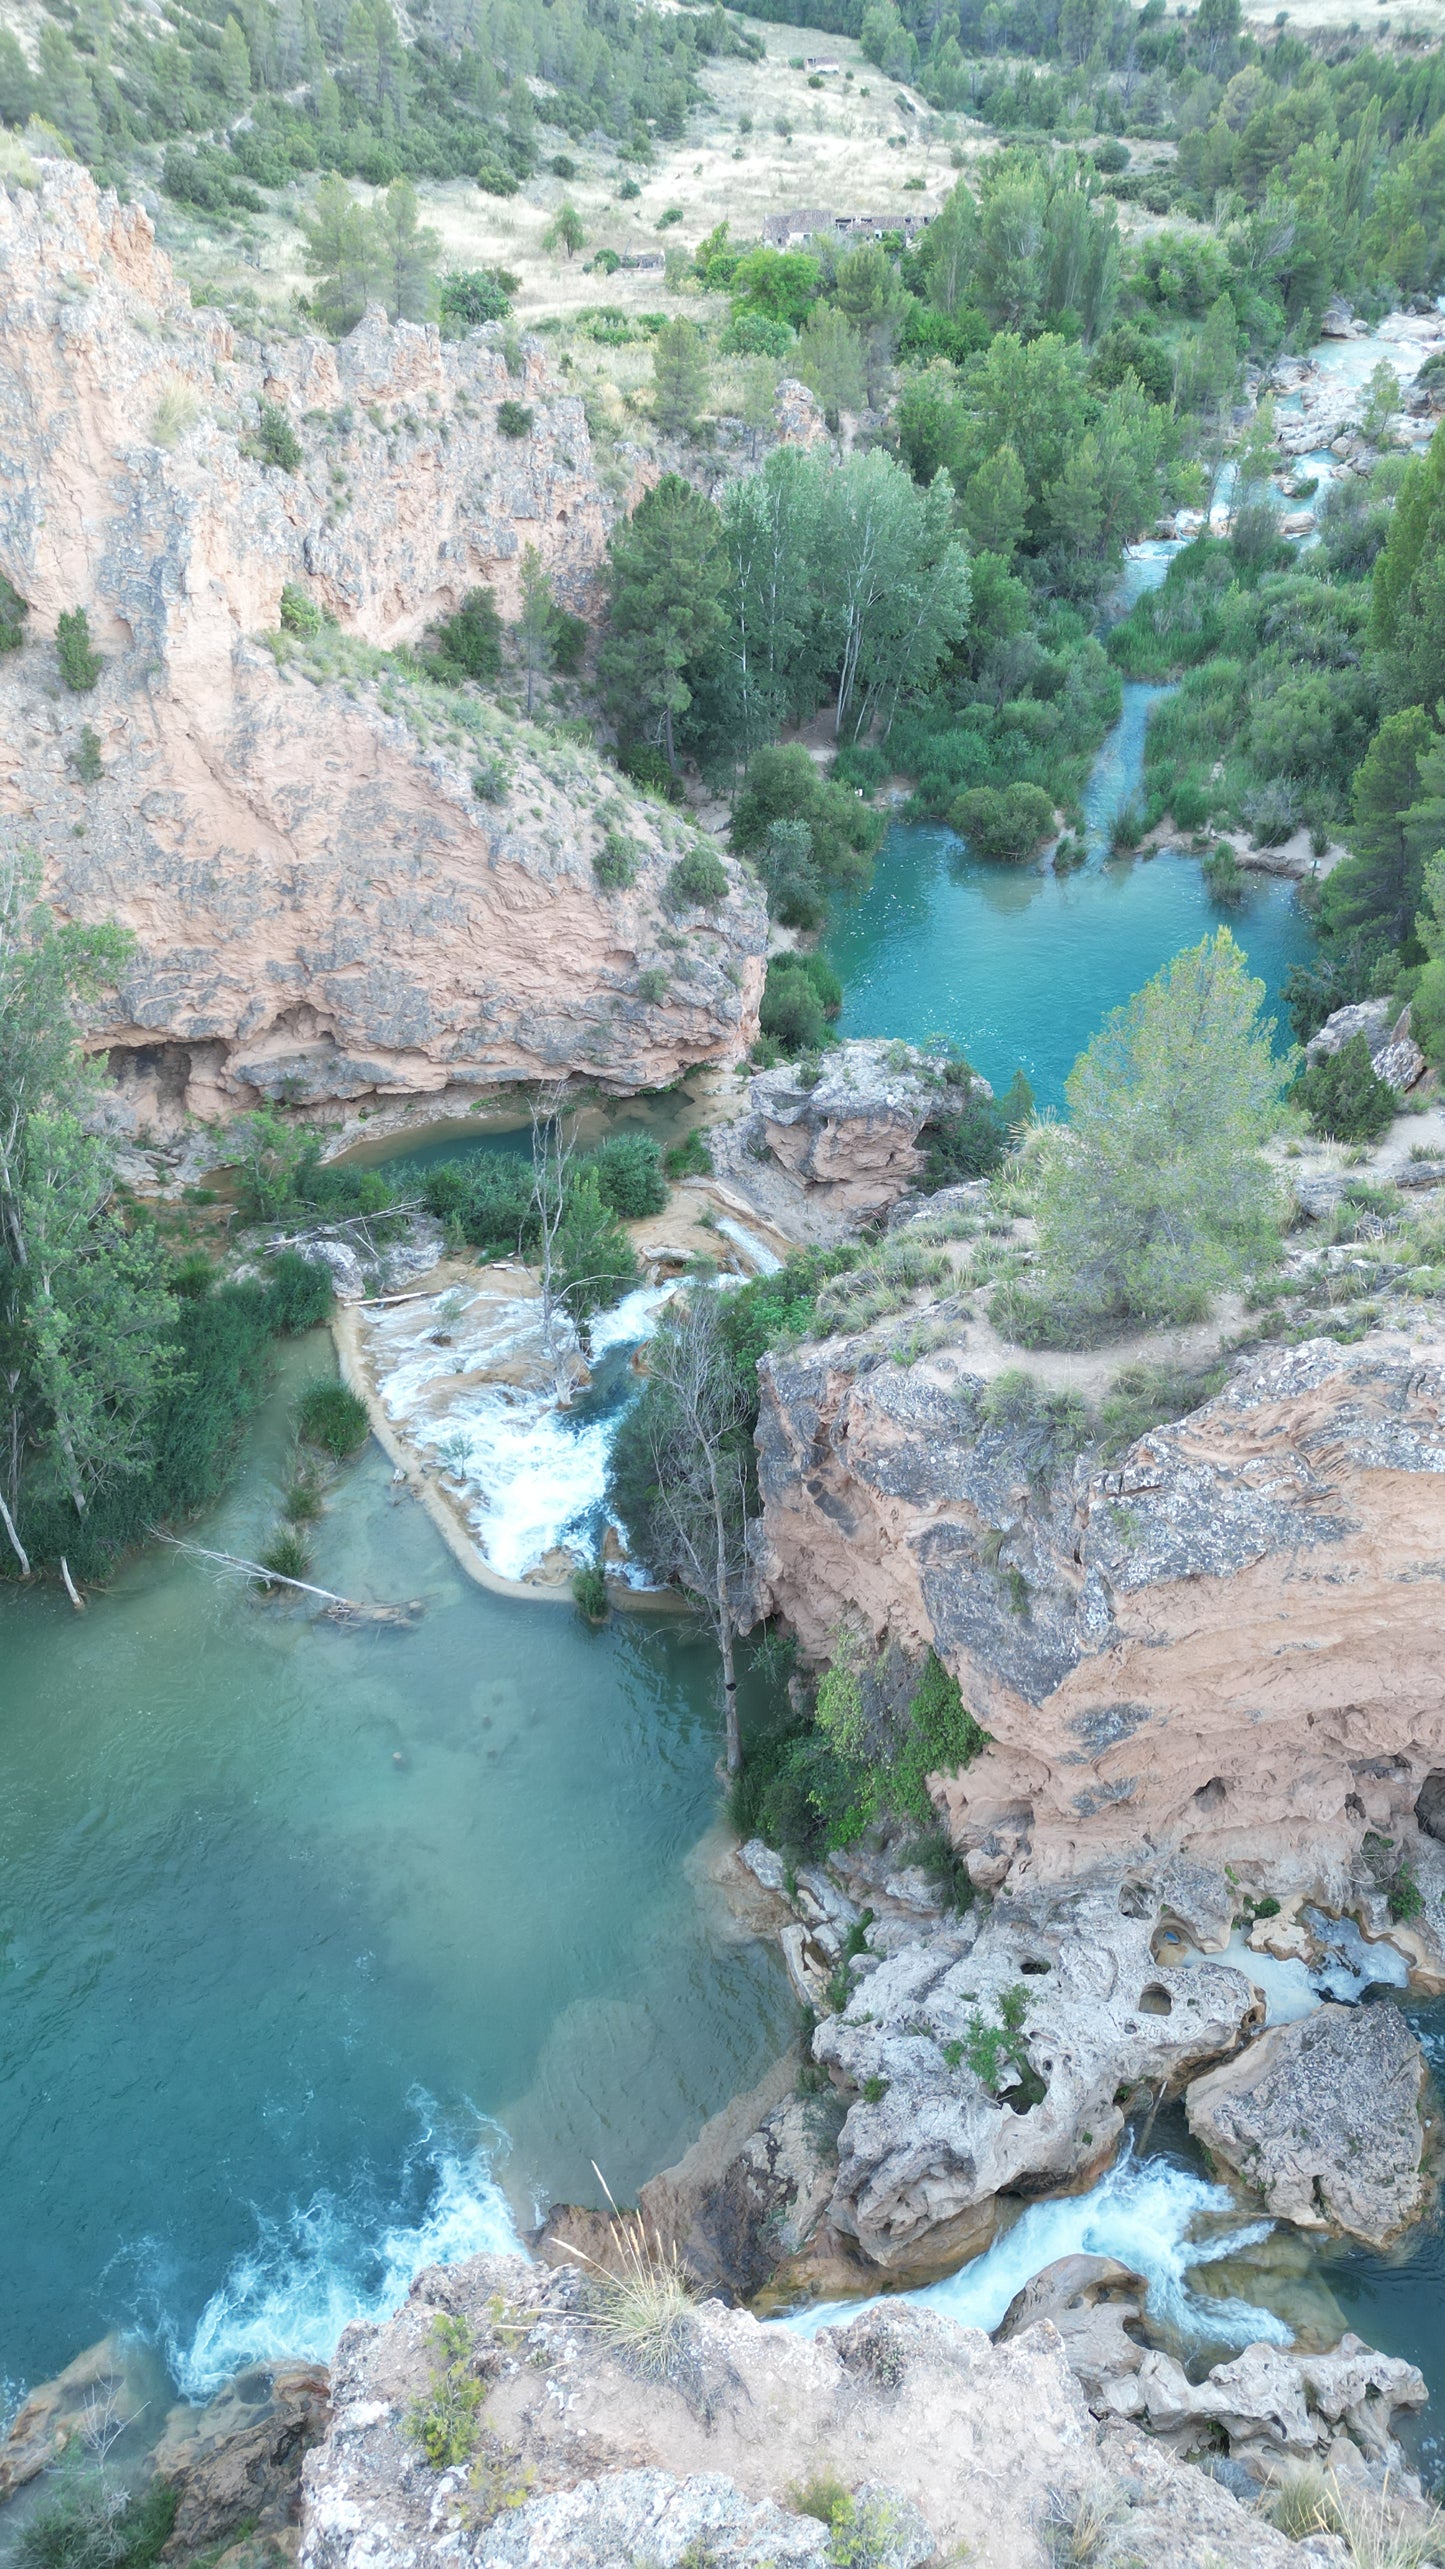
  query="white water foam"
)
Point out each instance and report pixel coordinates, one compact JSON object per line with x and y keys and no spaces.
{"x":1146,"y":2213}
{"x":528,"y":1470}
{"x":331,"y":2261}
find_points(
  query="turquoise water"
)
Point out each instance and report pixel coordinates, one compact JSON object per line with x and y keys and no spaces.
{"x":1018,"y":964}
{"x":326,"y":1951}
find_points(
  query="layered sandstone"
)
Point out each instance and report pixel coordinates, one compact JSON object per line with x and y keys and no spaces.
{"x":322,"y":905}
{"x":1226,"y":1642}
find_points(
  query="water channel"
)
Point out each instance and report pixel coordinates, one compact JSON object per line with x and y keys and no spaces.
{"x":325,"y":1954}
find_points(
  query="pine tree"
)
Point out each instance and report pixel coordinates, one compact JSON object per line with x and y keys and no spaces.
{"x":408,"y":253}
{"x":1407,"y":604}
{"x":667,"y":571}
{"x":679,"y":377}
{"x":535,"y":628}
{"x":1381,"y":888}
{"x":235,"y":65}
{"x":344,"y":253}
{"x":565,"y":232}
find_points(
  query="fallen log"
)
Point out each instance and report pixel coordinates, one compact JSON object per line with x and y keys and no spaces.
{"x":336,"y":1609}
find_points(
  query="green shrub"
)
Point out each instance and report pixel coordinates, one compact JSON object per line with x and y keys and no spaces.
{"x":1126,"y":830}
{"x":801,"y":995}
{"x":645,"y":763}
{"x":300,"y":612}
{"x":514,"y":419}
{"x":589,"y":1587}
{"x":1344,"y":1096}
{"x":652,"y":985}
{"x":1189,"y":804}
{"x":302,"y":1503}
{"x":784,"y":785}
{"x":492,"y":781}
{"x":329,"y":1415}
{"x":286,"y":1555}
{"x":13,"y":611}
{"x":1224,"y":875}
{"x":90,"y":2523}
{"x":85,"y":758}
{"x":698,"y":881}
{"x":80,"y":663}
{"x":1006,"y":824}
{"x":569,"y":641}
{"x":615,"y":863}
{"x":467,"y":644}
{"x":488,"y":1196}
{"x":444,"y":2423}
{"x":471,"y":296}
{"x":628,"y":1169}
{"x":276,"y":440}
{"x":691,"y":1157}
{"x":966,"y":1137}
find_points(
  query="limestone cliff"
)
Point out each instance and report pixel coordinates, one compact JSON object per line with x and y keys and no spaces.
{"x":322,"y":904}
{"x":1226,"y":1642}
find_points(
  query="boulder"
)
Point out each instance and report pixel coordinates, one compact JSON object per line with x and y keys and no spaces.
{"x":1270,"y":2397}
{"x":1322,"y":2118}
{"x":237,"y":2462}
{"x":1397,"y":1057}
{"x":952,"y":2107}
{"x":823,"y":1155}
{"x":97,"y":2392}
{"x":1091,"y":2301}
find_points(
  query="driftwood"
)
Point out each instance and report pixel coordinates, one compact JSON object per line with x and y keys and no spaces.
{"x":335,"y":1609}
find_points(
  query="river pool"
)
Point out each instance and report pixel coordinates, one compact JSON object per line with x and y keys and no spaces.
{"x":327,"y":1952}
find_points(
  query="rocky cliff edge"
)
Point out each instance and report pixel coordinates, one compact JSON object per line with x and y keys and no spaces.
{"x":322,"y":904}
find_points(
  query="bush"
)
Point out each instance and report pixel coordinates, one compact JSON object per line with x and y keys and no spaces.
{"x":286,"y":1555}
{"x":1344,"y":1096}
{"x":13,"y":611}
{"x":798,"y":1001}
{"x":488,"y":1197}
{"x":1005,"y":824}
{"x":628,"y":1170}
{"x":968,"y":1137}
{"x":1126,"y":830}
{"x":85,"y":758}
{"x":467,"y":644}
{"x":472,"y":296}
{"x":514,"y":419}
{"x":329,"y":1415}
{"x":1189,"y":805}
{"x":784,"y":785}
{"x":589,"y":1587}
{"x":652,"y":985}
{"x":276,"y":440}
{"x":492,"y":781}
{"x":645,"y":763}
{"x":698,"y":881}
{"x":691,"y":1157}
{"x":91,"y":2524}
{"x":80,"y":663}
{"x":569,"y":642}
{"x":1225,"y":877}
{"x":300,"y":612}
{"x":615,"y":863}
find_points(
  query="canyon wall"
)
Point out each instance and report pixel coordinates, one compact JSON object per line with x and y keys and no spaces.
{"x":322,"y":905}
{"x":1228,"y":1642}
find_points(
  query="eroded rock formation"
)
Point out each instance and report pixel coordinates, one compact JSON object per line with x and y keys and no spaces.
{"x":323,"y":906}
{"x":822,"y":1153}
{"x":948,"y":2446}
{"x":1323,"y":2119}
{"x":1225,"y":1642}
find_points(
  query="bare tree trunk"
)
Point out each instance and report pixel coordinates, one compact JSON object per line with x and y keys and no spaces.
{"x":17,"y":1547}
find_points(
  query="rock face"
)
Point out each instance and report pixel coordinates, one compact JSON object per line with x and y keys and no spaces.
{"x":323,"y":906}
{"x":822,"y":1156}
{"x":955,"y":2104}
{"x":947,"y":2446}
{"x":1226,"y":1642}
{"x":1397,"y":1057}
{"x":237,"y":2461}
{"x":1323,"y":2119}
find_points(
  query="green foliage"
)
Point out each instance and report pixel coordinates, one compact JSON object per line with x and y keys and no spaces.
{"x":514,"y":419}
{"x":329,"y":1415}
{"x":691,"y":1157}
{"x":286,"y":1555}
{"x":445,"y":2421}
{"x":628,"y":1170}
{"x":13,"y":611}
{"x":80,"y":663}
{"x":300,"y":612}
{"x":968,"y":1133}
{"x":1407,"y":608}
{"x":1007,"y":826}
{"x":1154,"y":1196}
{"x":801,"y":996}
{"x":995,"y":2052}
{"x":85,"y":757}
{"x":492,"y":781}
{"x":1145,"y":1396}
{"x":615,"y":863}
{"x":876,"y":1739}
{"x":276,"y":440}
{"x":698,"y":881}
{"x":594,"y":1260}
{"x":487,"y":1196}
{"x":679,"y":377}
{"x":1344,"y":1096}
{"x":783,"y":786}
{"x":91,"y":2522}
{"x":468,"y":298}
{"x":467,"y":644}
{"x":589,"y":1588}
{"x":1224,"y":876}
{"x":666,"y":575}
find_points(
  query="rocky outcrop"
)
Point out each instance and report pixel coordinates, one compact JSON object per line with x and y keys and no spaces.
{"x":1323,"y":2120}
{"x":1396,"y":1056}
{"x":1000,"y":2059}
{"x":942,"y":2446}
{"x":99,"y":2390}
{"x":323,"y":907}
{"x":236,"y":2463}
{"x":821,"y":1153}
{"x":1268,"y":2402}
{"x":1227,"y":1641}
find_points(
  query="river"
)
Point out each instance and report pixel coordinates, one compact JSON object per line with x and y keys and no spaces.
{"x":327,"y":1953}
